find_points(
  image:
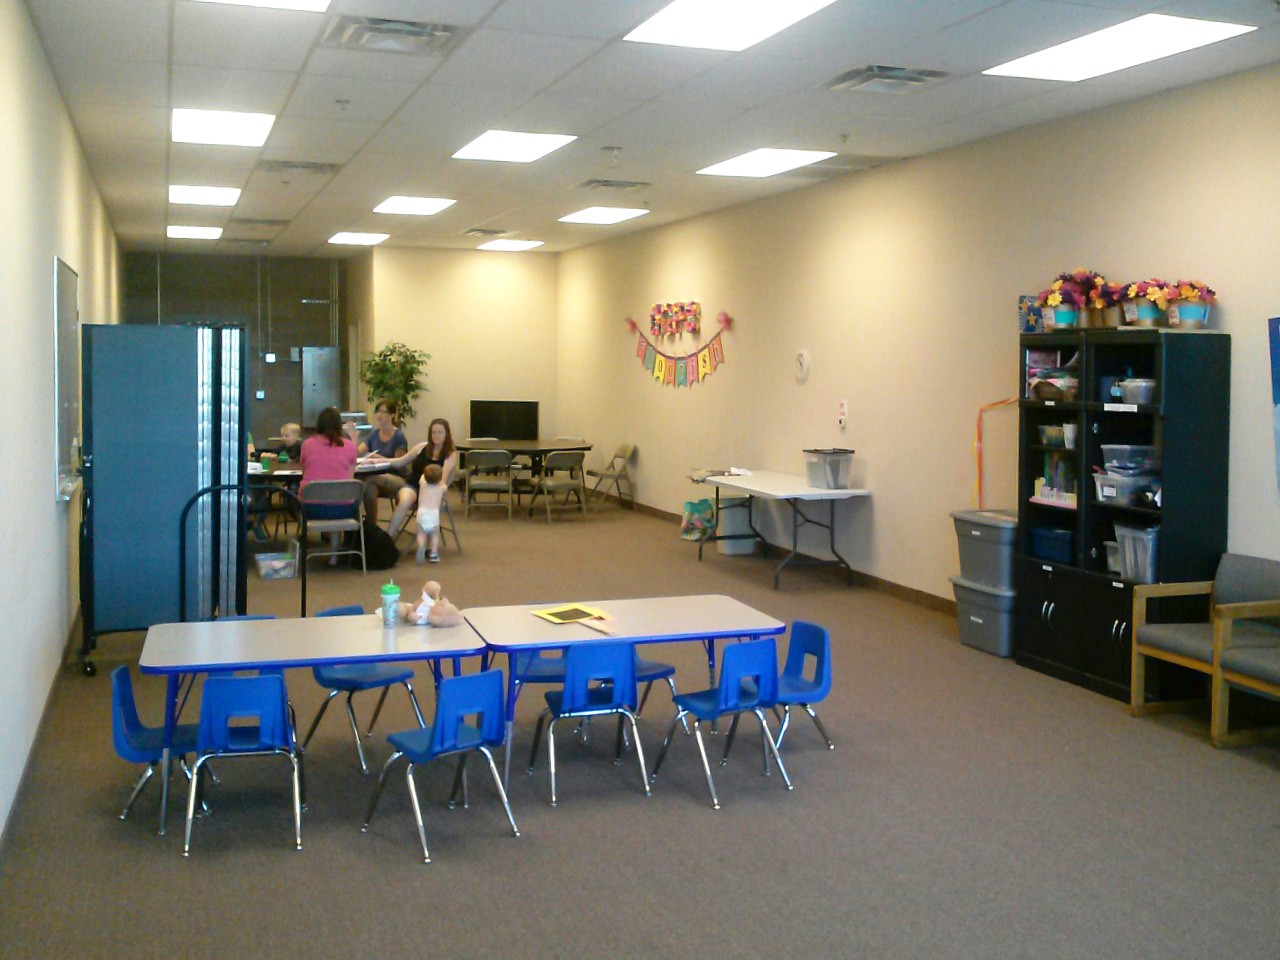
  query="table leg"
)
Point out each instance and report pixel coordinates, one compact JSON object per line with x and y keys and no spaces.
{"x":170,"y":719}
{"x":831,"y":529}
{"x":513,"y":691}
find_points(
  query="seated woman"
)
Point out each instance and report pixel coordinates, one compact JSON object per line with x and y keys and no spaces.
{"x":438,"y":448}
{"x":328,"y":456}
{"x":386,"y":441}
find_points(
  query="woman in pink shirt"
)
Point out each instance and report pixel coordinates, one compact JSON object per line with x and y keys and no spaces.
{"x":328,"y":456}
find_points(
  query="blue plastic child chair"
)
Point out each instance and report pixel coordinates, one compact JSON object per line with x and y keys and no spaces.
{"x":810,"y":643}
{"x":137,"y":743}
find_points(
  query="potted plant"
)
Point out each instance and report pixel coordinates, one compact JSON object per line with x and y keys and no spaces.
{"x":399,"y":373}
{"x":1066,"y":296}
{"x":1189,"y":304}
{"x":1146,"y":302}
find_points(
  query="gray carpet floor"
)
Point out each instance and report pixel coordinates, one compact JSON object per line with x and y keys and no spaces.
{"x":971,"y":808}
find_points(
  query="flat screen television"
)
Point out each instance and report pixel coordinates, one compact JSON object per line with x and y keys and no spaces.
{"x":505,"y":419}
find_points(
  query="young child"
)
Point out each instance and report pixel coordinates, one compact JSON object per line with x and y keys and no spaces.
{"x":430,"y":496}
{"x":434,"y":608}
{"x":291,"y":434}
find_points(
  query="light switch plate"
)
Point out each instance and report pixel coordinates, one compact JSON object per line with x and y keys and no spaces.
{"x":261,"y":394}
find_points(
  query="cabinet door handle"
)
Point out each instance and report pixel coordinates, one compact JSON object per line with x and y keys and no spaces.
{"x":1043,"y":608}
{"x":1049,"y":615}
{"x":1114,"y":625}
{"x":1123,"y":627}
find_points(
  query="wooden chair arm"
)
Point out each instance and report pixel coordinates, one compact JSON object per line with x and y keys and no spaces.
{"x":1142,"y":592}
{"x":1248,"y":610}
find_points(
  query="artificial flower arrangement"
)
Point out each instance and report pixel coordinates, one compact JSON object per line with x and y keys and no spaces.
{"x":1106,"y":294}
{"x":1156,"y":291}
{"x":1069,"y":289}
{"x":1192,"y":291}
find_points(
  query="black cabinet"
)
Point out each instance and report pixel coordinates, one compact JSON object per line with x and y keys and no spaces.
{"x":1074,"y":603}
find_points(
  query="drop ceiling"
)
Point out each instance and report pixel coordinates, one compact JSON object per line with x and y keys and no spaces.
{"x":357,"y":126}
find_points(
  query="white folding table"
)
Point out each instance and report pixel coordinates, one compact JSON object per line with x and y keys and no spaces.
{"x":795,"y":492}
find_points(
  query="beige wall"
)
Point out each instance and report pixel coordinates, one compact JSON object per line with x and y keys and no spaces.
{"x":50,"y":208}
{"x":487,"y":319}
{"x":902,"y":283}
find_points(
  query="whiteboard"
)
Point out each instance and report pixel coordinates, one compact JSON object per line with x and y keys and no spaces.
{"x":66,"y":379}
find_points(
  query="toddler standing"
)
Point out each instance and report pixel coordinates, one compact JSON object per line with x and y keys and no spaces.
{"x":431,"y":491}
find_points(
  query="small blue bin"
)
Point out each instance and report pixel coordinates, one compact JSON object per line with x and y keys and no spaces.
{"x":1049,"y":543}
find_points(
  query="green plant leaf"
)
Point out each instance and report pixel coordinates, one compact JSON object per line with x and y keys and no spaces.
{"x":397,"y":372}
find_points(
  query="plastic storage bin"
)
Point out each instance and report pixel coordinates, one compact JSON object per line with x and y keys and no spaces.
{"x":1119,"y":490}
{"x":828,"y":469}
{"x":1138,"y":552}
{"x":1049,"y":543}
{"x":278,"y":566}
{"x":1131,"y":456}
{"x":986,"y":546}
{"x":985,"y":615}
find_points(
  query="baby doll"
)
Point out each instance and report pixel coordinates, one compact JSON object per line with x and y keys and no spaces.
{"x":430,"y":496}
{"x":433,"y":609}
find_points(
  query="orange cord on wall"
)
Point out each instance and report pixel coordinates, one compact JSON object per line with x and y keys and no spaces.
{"x":977,"y":443}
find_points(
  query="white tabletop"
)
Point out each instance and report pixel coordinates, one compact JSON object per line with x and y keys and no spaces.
{"x":782,"y":486}
{"x":377,"y":466}
{"x":651,"y":619}
{"x":297,"y":642}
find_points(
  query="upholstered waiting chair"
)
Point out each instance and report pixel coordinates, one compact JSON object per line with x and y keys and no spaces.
{"x":351,"y":678}
{"x":141,"y":744}
{"x":614,"y":474}
{"x":470,"y":718}
{"x":599,"y":680}
{"x":226,"y":703}
{"x":748,"y":684}
{"x":488,"y":471}
{"x":1243,"y":588}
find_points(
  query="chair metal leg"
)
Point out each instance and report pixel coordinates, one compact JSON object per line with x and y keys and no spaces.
{"x":706,"y":767}
{"x":460,"y":784}
{"x":773,"y":747}
{"x":297,"y":800}
{"x":635,"y":735}
{"x":644,"y":697}
{"x":551,"y":756}
{"x":502,"y":794}
{"x":377,"y":711}
{"x":417,"y":813}
{"x":191,"y":804}
{"x":618,"y":742}
{"x":355,"y":733}
{"x":728,"y":740}
{"x":813,"y":715}
{"x":137,"y":789}
{"x":316,"y":722}
{"x":377,"y":791}
{"x":666,"y":742}
{"x":672,"y":684}
{"x":786,"y":723}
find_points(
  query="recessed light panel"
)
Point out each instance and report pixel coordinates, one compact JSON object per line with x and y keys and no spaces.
{"x":204,"y":196}
{"x":1141,"y":40}
{"x":414,"y":206}
{"x":176,"y":232}
{"x":604,"y":215}
{"x":359,"y":239}
{"x":221,"y":126}
{"x":510,"y":246}
{"x":311,"y":6}
{"x":510,"y":147}
{"x":722,"y":24}
{"x":765,"y":162}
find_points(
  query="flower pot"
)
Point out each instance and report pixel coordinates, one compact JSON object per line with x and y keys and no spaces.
{"x":1186,"y":315}
{"x":1091,"y":317}
{"x":1147,"y":314}
{"x":1112,"y":316}
{"x":1060,"y":317}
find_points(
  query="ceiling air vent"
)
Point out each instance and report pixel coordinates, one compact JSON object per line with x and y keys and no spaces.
{"x":880,"y":79}
{"x":300,"y":166}
{"x":484,"y":232}
{"x":255,"y":222}
{"x":612,"y":184}
{"x":391,"y":36}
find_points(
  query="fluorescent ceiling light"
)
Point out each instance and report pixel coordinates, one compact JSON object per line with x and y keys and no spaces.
{"x":204,"y":196}
{"x":175,"y":232}
{"x":221,"y":126}
{"x":311,"y":6}
{"x":414,"y":206}
{"x":509,"y":147}
{"x":511,"y":246}
{"x":359,"y":239}
{"x":722,"y":24}
{"x":604,"y":215}
{"x":1141,"y":40}
{"x":765,"y":162}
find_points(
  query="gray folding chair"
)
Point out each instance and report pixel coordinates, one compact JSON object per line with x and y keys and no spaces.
{"x":489,"y":471}
{"x":340,"y":493}
{"x":614,"y":474}
{"x":561,"y":474}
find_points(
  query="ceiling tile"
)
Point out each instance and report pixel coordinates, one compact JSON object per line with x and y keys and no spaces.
{"x":242,"y":38}
{"x":347,"y":98}
{"x":506,"y":58}
{"x":211,"y":165}
{"x":137,"y":31}
{"x":443,"y":119}
{"x":320,"y":141}
{"x":103,"y":121}
{"x":369,"y":65}
{"x":136,"y":84}
{"x":636,"y":71}
{"x":574,"y":18}
{"x":215,"y":88}
{"x":461,"y":12}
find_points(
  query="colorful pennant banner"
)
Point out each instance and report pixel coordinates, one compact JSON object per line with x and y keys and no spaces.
{"x":683,"y":371}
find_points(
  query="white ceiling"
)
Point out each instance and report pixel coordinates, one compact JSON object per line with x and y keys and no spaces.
{"x":550,"y":66}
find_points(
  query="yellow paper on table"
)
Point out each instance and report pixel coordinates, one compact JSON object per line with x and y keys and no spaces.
{"x":571,"y":613}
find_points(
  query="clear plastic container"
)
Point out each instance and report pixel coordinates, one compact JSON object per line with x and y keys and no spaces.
{"x":1138,"y":552}
{"x":828,"y":469}
{"x":1121,"y":491}
{"x":1144,"y":458}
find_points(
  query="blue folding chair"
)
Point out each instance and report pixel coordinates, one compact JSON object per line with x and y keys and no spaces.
{"x":600,"y":680}
{"x":809,"y":642}
{"x":244,"y":717}
{"x":137,"y":743}
{"x":351,"y":678}
{"x":748,"y":684}
{"x":470,"y":717}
